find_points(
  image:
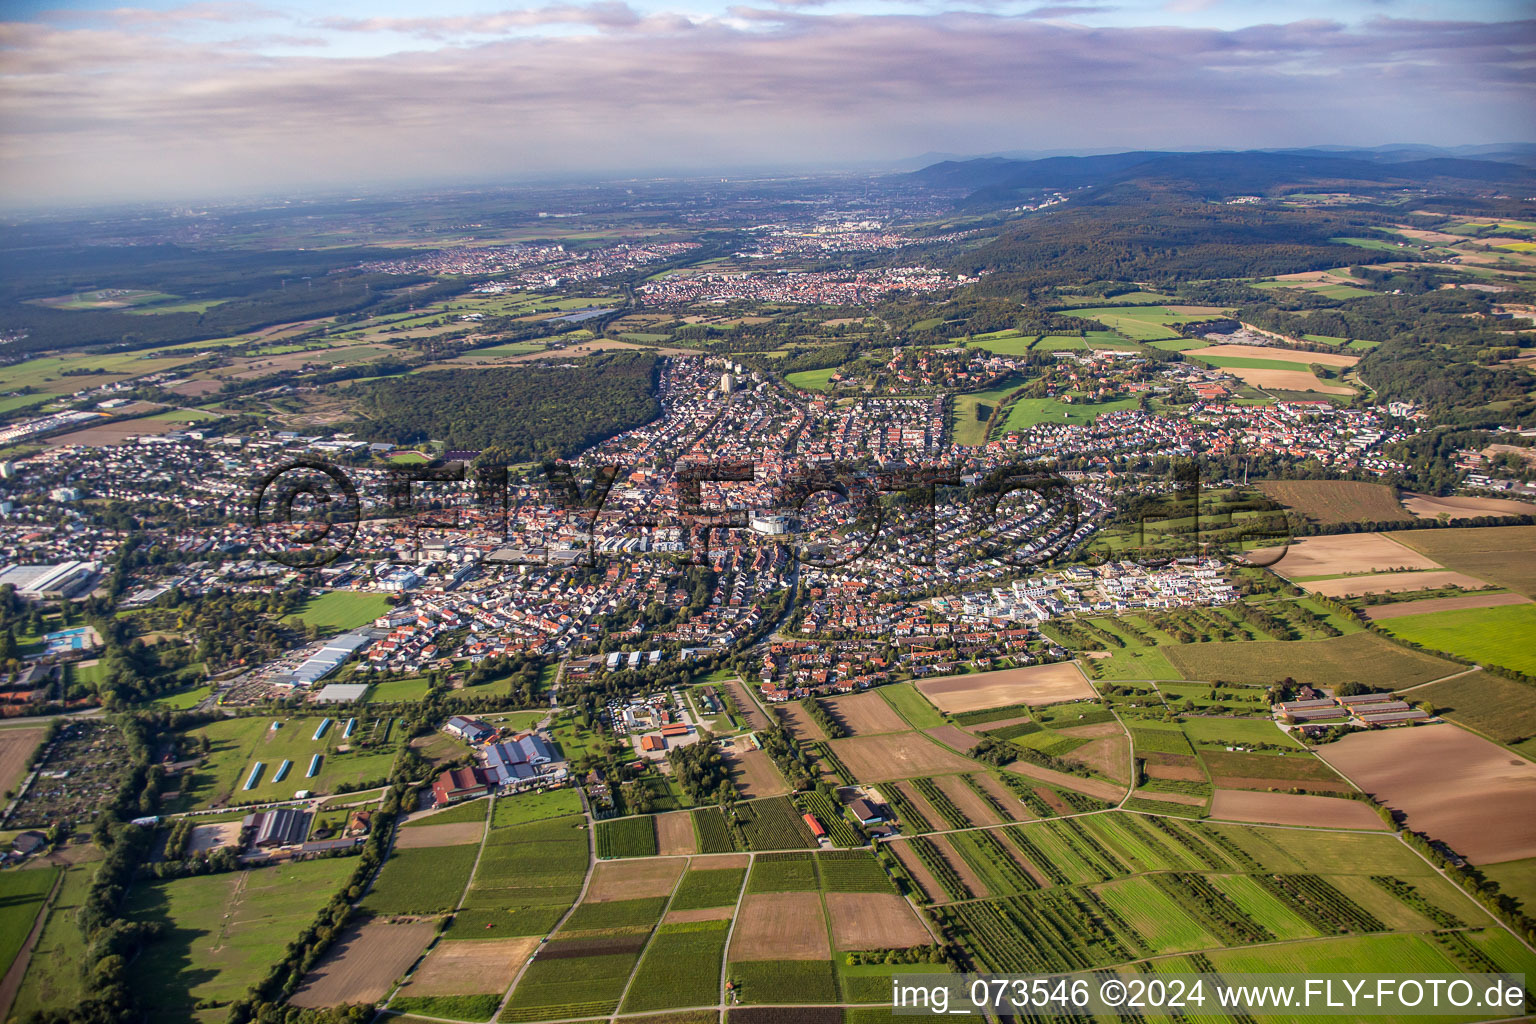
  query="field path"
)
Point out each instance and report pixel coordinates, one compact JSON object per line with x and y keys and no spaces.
{"x":586,"y":883}
{"x":1442,"y":679}
{"x":650,"y":938}
{"x":730,"y":933}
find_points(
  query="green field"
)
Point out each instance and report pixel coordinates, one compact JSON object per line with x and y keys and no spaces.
{"x":811,"y":380}
{"x":521,"y":808}
{"x":181,"y":701}
{"x":223,"y":931}
{"x":529,"y":875}
{"x":965,"y":425}
{"x":341,"y":610}
{"x":1061,"y":343}
{"x":1027,"y":412}
{"x":658,"y":982}
{"x":422,"y":880}
{"x":1145,"y":323}
{"x":21,"y":899}
{"x":392,"y":691}
{"x":1012,"y":345}
{"x":911,"y":705}
{"x":1517,"y":878}
{"x":52,"y":980}
{"x":1489,"y":636}
{"x":238,"y":743}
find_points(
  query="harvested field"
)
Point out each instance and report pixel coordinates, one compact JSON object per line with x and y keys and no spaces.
{"x":755,"y":775}
{"x":1286,"y":355}
{"x":1345,"y":553}
{"x":674,"y":833}
{"x":1398,"y":609}
{"x":112,"y":434}
{"x":1108,"y":755}
{"x":1453,"y":785}
{"x":1427,"y":506}
{"x":968,"y":800}
{"x":1492,"y":705}
{"x":1174,"y":767}
{"x":780,"y":926}
{"x":799,"y":724}
{"x":1337,"y":501}
{"x":1285,"y":380}
{"x":866,"y":714}
{"x":1094,"y":731}
{"x":1093,"y":787}
{"x":897,"y":755}
{"x":1005,"y":796}
{"x":362,"y":965}
{"x":16,"y":746}
{"x":701,"y":914}
{"x":874,"y":920}
{"x":460,"y":833}
{"x":195,"y":388}
{"x":920,"y":874}
{"x":750,"y":712}
{"x":1505,"y":555}
{"x":467,"y":966}
{"x":1294,"y":809}
{"x":634,"y":879}
{"x":953,"y":736}
{"x":1037,"y":684}
{"x":1393,"y":583}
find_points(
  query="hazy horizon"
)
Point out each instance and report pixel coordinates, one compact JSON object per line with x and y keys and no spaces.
{"x":172,"y":101}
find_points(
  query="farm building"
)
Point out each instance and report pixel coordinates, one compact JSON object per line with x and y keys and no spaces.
{"x":522,"y":757}
{"x":1364,"y":698}
{"x":1380,"y":707}
{"x":28,"y":843}
{"x":1394,"y":717}
{"x":1307,"y":705}
{"x":281,"y":827}
{"x":460,"y":784}
{"x":866,"y":812}
{"x":652,"y":742}
{"x":817,"y":828}
{"x":1316,"y":714}
{"x":471,"y":730}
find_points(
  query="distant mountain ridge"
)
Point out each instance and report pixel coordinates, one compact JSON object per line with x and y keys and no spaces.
{"x":997,"y":181}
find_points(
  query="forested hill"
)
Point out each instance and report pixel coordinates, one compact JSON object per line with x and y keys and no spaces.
{"x":532,"y":411}
{"x":1166,"y":243}
{"x":998,"y":182}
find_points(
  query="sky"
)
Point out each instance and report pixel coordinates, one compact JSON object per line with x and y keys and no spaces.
{"x":101,"y":102}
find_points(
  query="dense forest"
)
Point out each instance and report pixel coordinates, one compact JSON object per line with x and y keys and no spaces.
{"x":1162,"y":243}
{"x":532,"y":412}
